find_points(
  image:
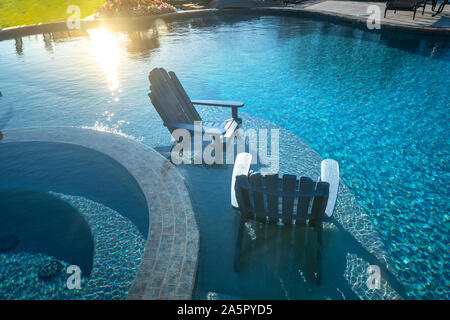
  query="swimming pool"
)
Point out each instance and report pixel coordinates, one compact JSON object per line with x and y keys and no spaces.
{"x":376,"y":102}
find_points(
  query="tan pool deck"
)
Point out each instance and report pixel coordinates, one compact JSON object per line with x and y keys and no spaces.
{"x":352,"y":9}
{"x":358,"y":9}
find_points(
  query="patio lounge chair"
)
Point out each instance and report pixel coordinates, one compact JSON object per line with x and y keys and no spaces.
{"x":177,"y":110}
{"x":441,"y":7}
{"x":253,"y":191}
{"x":292,"y":1}
{"x":405,"y":5}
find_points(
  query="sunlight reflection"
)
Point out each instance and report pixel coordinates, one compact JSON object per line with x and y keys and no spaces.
{"x":160,"y":27}
{"x":100,"y":126}
{"x":106,"y":49}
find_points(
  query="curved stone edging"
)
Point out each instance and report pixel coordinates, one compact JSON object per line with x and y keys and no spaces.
{"x":87,"y":23}
{"x":169,"y":264}
{"x":359,"y":21}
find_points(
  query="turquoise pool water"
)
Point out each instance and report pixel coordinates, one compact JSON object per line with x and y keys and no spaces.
{"x":376,"y":102}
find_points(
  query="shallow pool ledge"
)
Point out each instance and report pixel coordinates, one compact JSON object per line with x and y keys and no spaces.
{"x":169,"y":264}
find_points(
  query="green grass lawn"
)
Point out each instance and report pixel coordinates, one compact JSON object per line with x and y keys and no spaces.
{"x":18,"y":12}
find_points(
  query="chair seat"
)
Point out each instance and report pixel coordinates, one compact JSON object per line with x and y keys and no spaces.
{"x":403,"y":4}
{"x":209,"y":125}
{"x":223,"y":128}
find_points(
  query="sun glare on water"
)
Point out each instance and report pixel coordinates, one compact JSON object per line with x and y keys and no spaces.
{"x":105,"y":46}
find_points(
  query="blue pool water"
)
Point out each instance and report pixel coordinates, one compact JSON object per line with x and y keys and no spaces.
{"x":376,"y":102}
{"x":53,"y":200}
{"x":30,"y":216}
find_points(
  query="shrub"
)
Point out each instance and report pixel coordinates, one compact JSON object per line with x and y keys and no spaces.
{"x":133,"y":8}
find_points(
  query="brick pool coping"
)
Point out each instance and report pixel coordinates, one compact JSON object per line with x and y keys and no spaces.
{"x":311,"y":11}
{"x":169,"y":264}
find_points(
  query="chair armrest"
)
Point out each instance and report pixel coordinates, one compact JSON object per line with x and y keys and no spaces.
{"x":221,"y":103}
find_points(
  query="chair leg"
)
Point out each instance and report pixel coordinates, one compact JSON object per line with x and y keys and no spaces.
{"x":319,"y":255}
{"x":385,"y":10}
{"x":237,"y":255}
{"x":234,"y":115}
{"x":423,"y":11}
{"x":414,"y":15}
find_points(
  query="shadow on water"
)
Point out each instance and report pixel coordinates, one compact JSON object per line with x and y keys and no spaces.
{"x":46,"y":224}
{"x":143,"y":37}
{"x":19,"y":46}
{"x":48,"y":41}
{"x":428,"y":46}
{"x":6,"y":110}
{"x":141,"y":44}
{"x":75,"y":171}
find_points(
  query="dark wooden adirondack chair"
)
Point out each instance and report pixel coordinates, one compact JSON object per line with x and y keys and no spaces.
{"x":177,"y":110}
{"x":259,"y":198}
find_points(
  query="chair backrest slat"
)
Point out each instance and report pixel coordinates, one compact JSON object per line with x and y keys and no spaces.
{"x":169,"y":98}
{"x":182,"y":93}
{"x":320,"y":203}
{"x":258,"y":197}
{"x":174,"y":97}
{"x":289,"y":184}
{"x":271,"y":183}
{"x":184,"y":107}
{"x":242,"y":196}
{"x":306,"y":185}
{"x":160,"y":111}
{"x":163,"y":99}
{"x":254,"y":188}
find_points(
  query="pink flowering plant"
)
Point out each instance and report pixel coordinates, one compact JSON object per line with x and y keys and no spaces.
{"x":134,"y":8}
